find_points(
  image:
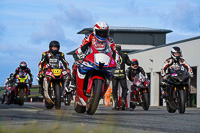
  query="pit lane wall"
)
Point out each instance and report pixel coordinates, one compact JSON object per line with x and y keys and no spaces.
{"x":152,"y":60}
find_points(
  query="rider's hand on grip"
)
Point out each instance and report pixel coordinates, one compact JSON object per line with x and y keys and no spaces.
{"x":81,"y":56}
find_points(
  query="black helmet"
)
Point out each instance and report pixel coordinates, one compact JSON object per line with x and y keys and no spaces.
{"x":176,"y":50}
{"x":23,"y":65}
{"x":54,"y":44}
{"x":11,"y":75}
{"x":134,"y":62}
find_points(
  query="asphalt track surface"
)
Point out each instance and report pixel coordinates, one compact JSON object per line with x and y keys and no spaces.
{"x":33,"y":117}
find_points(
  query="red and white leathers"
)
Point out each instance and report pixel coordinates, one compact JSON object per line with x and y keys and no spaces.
{"x":89,"y":41}
{"x":169,"y":64}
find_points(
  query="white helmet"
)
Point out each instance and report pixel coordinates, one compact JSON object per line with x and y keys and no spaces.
{"x":176,"y":50}
{"x":101,"y":30}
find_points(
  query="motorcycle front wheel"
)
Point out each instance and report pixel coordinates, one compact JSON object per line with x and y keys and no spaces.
{"x":93,"y":100}
{"x":181,"y":101}
{"x":169,"y":109}
{"x":145,"y":103}
{"x":22,"y":93}
{"x":57,"y":96}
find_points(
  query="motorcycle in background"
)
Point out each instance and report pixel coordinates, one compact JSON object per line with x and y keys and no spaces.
{"x":67,"y":95}
{"x":54,"y":81}
{"x":9,"y":93}
{"x":139,"y":92}
{"x":93,"y":77}
{"x":22,"y":88}
{"x":177,"y":89}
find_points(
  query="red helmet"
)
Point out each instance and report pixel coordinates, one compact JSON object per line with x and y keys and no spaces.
{"x":23,"y":65}
{"x":101,"y":30}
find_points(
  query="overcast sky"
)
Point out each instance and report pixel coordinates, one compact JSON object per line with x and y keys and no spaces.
{"x":27,"y":26}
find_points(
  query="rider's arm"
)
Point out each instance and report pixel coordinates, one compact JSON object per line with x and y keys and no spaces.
{"x":127,"y":60}
{"x":86,"y":43}
{"x":183,"y":62}
{"x":143,"y":72}
{"x":166,"y":65}
{"x":30,"y":74}
{"x":16,"y":72}
{"x":128,"y":73}
{"x":113,"y":48}
{"x":43,"y":60}
{"x":7,"y":79}
{"x":65,"y":63}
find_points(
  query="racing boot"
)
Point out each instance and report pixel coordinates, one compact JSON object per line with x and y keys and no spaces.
{"x":123,"y":107}
{"x":116,"y":105}
{"x":40,"y":83}
{"x":72,"y":85}
{"x":163,"y":92}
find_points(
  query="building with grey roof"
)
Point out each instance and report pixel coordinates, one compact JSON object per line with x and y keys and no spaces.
{"x":152,"y":60}
{"x":133,"y":38}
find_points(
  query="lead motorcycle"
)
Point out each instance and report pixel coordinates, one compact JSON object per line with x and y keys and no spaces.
{"x":22,"y":88}
{"x":54,"y":81}
{"x":93,"y":77}
{"x":177,"y":89}
{"x":139,"y":92}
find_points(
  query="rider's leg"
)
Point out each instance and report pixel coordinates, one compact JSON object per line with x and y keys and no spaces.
{"x":4,"y":97}
{"x":73,"y":77}
{"x":163,"y":86}
{"x":124,"y":92}
{"x":114,"y":92}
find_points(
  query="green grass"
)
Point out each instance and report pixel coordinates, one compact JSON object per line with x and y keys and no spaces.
{"x":55,"y":127}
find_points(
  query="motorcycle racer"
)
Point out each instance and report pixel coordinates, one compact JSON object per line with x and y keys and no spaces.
{"x":48,"y":57}
{"x":100,"y":33}
{"x":10,"y":81}
{"x":176,"y":58}
{"x":23,"y":68}
{"x":134,"y":69}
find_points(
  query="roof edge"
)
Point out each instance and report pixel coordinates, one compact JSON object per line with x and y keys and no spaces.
{"x":165,"y":45}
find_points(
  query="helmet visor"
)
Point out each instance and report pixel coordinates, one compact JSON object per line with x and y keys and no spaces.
{"x":102,"y":33}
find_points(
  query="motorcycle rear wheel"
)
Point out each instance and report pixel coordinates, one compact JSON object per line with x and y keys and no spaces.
{"x":57,"y":96}
{"x":181,"y":101}
{"x":93,"y":100}
{"x":145,"y":98}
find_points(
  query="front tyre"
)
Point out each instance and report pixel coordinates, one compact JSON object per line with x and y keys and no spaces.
{"x":145,"y":103}
{"x":22,"y":93}
{"x":181,"y":101}
{"x":169,"y":109}
{"x":93,"y":100}
{"x":57,"y":96}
